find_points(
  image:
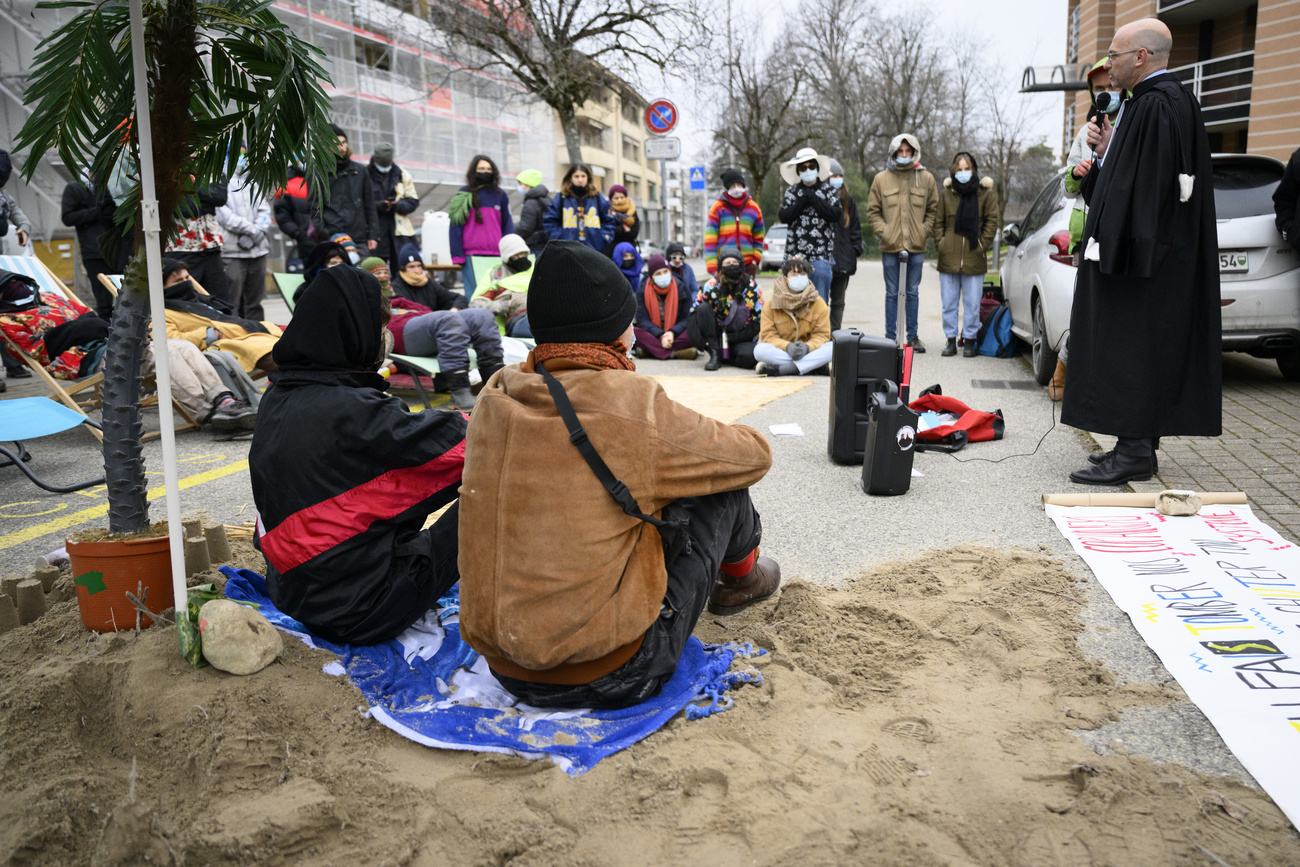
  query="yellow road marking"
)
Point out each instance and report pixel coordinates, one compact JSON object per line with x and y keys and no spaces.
{"x":18,"y":537}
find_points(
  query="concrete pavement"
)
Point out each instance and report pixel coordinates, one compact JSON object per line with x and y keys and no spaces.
{"x":817,"y":521}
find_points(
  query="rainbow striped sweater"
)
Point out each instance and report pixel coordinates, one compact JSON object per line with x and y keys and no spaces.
{"x":731,"y":226}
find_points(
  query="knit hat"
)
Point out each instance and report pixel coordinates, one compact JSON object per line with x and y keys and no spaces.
{"x":655,"y":263}
{"x":730,"y":252}
{"x":170,"y":266}
{"x":529,"y":177}
{"x":836,"y":168}
{"x":383,"y":153}
{"x":511,"y":245}
{"x":338,"y":130}
{"x":344,"y":239}
{"x":731,"y":178}
{"x":618,"y":188}
{"x":577,"y":295}
{"x":370,"y":263}
{"x":410,"y":253}
{"x":675,"y":247}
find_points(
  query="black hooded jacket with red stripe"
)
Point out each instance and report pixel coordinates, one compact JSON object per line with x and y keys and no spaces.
{"x":345,"y":476}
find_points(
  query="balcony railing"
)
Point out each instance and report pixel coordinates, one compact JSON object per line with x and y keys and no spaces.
{"x":1222,"y":84}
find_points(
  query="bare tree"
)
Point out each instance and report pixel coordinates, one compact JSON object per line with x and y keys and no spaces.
{"x":761,"y":122}
{"x":834,"y":36}
{"x":1011,"y":119}
{"x":561,"y":51}
{"x":906,"y":84}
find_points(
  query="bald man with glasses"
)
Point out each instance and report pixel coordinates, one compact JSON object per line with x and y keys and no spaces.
{"x":1145,"y":337}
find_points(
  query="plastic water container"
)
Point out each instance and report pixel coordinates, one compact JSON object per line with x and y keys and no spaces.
{"x":435,"y":237}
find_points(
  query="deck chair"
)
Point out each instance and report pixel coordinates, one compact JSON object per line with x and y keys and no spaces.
{"x":414,"y":365}
{"x":483,"y":266}
{"x":27,"y":418}
{"x":79,"y":395}
{"x":483,"y":284}
{"x":287,"y":284}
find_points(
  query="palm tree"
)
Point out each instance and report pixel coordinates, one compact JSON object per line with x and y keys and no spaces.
{"x":221,"y":74}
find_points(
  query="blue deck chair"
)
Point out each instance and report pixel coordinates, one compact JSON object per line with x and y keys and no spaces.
{"x":26,"y":418}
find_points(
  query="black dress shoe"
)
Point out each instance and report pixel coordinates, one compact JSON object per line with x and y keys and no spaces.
{"x":949,"y":348}
{"x":1115,"y":469}
{"x":1098,"y":457}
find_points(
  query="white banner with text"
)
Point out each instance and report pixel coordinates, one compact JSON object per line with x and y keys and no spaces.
{"x":1217,"y":597}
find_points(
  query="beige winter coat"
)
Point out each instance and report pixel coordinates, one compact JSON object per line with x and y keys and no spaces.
{"x":903,"y":203}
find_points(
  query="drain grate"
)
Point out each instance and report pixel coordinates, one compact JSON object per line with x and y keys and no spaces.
{"x":1017,"y":384}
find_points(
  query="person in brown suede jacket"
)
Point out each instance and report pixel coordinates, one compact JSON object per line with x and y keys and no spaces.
{"x":573,"y":601}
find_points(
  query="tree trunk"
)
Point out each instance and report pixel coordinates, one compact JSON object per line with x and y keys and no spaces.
{"x":572,"y":140}
{"x":128,"y":508}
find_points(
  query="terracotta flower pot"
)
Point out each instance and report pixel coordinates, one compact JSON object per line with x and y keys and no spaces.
{"x":105,"y":572}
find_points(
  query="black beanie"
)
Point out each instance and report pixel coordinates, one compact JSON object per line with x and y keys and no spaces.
{"x":171,"y":266}
{"x":577,"y":295}
{"x":338,"y":130}
{"x":731,"y":178}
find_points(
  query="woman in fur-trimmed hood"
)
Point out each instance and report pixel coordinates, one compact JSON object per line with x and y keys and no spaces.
{"x":963,"y":232}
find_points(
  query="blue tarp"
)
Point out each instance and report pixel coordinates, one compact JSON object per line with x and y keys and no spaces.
{"x":430,"y":686}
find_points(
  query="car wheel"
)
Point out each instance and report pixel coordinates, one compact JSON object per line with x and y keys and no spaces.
{"x":1042,"y":354}
{"x":1289,"y":364}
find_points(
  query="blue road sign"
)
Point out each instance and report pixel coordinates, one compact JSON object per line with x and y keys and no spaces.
{"x":697,"y":178}
{"x":661,"y":117}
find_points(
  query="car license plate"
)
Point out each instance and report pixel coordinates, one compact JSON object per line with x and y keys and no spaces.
{"x":1233,"y":262}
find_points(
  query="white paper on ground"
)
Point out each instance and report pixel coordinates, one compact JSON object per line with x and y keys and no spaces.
{"x":917,"y":474}
{"x":785,"y":430}
{"x":1216,"y":596}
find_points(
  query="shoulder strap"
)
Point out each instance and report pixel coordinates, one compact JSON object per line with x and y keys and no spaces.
{"x":672,"y":532}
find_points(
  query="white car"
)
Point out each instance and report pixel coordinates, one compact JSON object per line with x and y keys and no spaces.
{"x":1259,"y":272}
{"x":773,"y":247}
{"x":1038,"y":276}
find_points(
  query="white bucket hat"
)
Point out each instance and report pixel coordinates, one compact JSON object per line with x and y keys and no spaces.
{"x":791,"y":177}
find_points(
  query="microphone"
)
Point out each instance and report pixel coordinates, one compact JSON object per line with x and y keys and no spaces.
{"x":1102,"y":102}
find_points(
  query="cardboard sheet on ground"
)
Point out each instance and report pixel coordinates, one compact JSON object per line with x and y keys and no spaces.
{"x":1217,"y":597}
{"x":431,"y":687}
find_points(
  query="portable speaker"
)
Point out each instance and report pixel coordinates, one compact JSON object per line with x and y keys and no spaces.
{"x":860,"y":365}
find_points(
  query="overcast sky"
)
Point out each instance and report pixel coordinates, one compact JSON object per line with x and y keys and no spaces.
{"x":1018,"y":33}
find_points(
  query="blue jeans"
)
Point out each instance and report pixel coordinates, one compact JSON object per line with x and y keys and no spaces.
{"x":915,"y":263}
{"x":966,"y":289}
{"x":821,"y":277}
{"x":467,"y":277}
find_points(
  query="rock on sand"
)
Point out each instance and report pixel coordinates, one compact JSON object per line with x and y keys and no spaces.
{"x":236,"y":638}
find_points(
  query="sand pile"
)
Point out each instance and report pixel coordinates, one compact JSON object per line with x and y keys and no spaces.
{"x":920,"y":716}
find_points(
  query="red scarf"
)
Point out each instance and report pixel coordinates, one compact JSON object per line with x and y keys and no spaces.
{"x":655,"y":296}
{"x":603,"y":356}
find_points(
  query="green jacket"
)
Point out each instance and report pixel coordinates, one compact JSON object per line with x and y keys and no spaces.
{"x":955,"y":253}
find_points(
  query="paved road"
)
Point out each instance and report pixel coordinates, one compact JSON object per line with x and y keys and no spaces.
{"x":817,"y":521}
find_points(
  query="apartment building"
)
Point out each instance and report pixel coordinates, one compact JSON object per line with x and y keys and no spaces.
{"x":1241,"y":58}
{"x":612,"y":134}
{"x":387,"y":84}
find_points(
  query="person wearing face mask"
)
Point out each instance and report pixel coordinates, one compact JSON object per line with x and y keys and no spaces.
{"x":245,"y":219}
{"x":683,"y":273}
{"x":536,"y":201}
{"x":395,"y":198}
{"x":580,"y":212}
{"x":902,"y":208}
{"x":735,"y":220}
{"x":332,"y":450}
{"x":349,"y":247}
{"x":480,"y":216}
{"x":964,"y":231}
{"x":431,"y":320}
{"x":629,"y":261}
{"x":349,"y":208}
{"x":208,"y":322}
{"x":724,"y":319}
{"x":662,"y":305}
{"x":848,"y":245}
{"x":571,"y":600}
{"x":795,"y":335}
{"x":812,"y":209}
{"x":506,"y":293}
{"x":627,"y":225}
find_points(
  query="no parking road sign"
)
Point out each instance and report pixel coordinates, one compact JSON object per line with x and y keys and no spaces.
{"x":697,"y":178}
{"x":661,"y":117}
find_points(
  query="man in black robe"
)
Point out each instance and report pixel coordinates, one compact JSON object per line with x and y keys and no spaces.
{"x":1145,"y":333}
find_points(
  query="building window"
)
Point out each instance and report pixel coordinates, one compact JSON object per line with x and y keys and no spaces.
{"x":631,"y":111}
{"x":631,"y":149}
{"x":374,"y":55}
{"x":651,"y":191}
{"x":595,"y":136}
{"x":633,"y":184}
{"x":1072,"y":40}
